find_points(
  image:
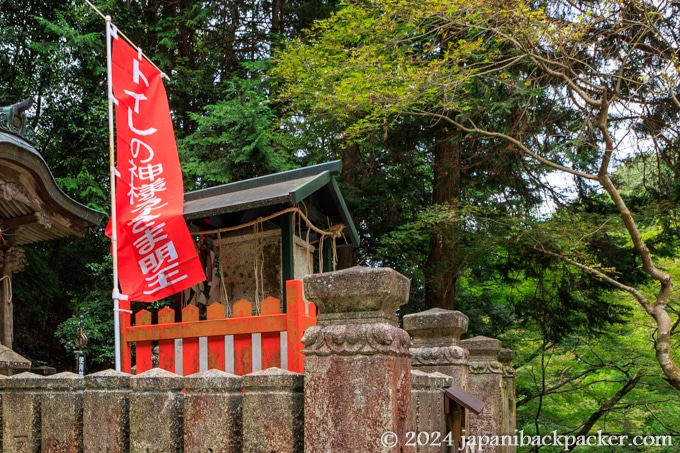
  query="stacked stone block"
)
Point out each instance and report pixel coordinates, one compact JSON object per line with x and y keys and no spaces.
{"x":357,"y":365}
{"x":273,"y":411}
{"x":427,"y":407}
{"x":157,"y":412}
{"x":489,"y":381}
{"x":436,"y":343}
{"x":154,"y":412}
{"x":212,"y":412}
{"x":21,"y":404}
{"x":106,"y":405}
{"x":62,"y":413}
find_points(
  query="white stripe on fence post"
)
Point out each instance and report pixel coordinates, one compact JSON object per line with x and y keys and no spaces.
{"x":202,"y":354}
{"x":257,"y":351}
{"x":179,"y":366}
{"x":284,"y":349}
{"x":229,"y":353}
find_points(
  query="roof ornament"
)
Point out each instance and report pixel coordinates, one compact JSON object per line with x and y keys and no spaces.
{"x":13,"y":120}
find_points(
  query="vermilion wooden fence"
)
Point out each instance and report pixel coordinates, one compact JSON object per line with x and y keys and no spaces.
{"x":240,"y":344}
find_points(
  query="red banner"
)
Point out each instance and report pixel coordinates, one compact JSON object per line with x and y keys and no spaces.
{"x":156,"y":254}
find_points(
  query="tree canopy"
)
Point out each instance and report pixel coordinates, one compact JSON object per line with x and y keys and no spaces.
{"x":566,"y":87}
{"x":517,"y":160}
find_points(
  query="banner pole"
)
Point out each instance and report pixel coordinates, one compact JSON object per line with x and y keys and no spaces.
{"x":114,"y":226}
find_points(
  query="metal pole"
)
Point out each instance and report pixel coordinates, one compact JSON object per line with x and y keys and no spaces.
{"x":114,"y":227}
{"x":80,"y":341}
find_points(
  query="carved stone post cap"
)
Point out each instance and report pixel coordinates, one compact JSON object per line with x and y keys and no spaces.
{"x":213,"y":381}
{"x":108,"y":380}
{"x":358,"y":289}
{"x":482,"y":346}
{"x":25,"y":381}
{"x":157,"y":380}
{"x":436,"y":322}
{"x":65,"y":381}
{"x":274,"y":379}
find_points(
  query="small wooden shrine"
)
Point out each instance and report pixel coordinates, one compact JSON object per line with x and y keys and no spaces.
{"x":259,"y":233}
{"x":32,"y":207}
{"x":257,"y":239}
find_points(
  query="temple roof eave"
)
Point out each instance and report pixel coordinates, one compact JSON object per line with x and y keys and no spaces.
{"x":42,"y":211}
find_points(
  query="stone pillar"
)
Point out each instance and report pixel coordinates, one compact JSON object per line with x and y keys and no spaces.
{"x":273,"y":412}
{"x":509,"y":408}
{"x":436,"y":343}
{"x":62,"y":413}
{"x":486,"y":383}
{"x":106,"y":404}
{"x":427,"y":406}
{"x":21,"y":413}
{"x":212,"y":408}
{"x":156,"y":412}
{"x":357,"y":365}
{"x":11,"y":261}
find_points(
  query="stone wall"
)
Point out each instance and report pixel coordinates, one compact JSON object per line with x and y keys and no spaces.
{"x":154,"y":412}
{"x":212,"y":411}
{"x":358,"y":392}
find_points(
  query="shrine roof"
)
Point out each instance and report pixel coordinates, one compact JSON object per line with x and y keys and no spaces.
{"x":32,"y":206}
{"x":313,"y":189}
{"x":465,"y":399}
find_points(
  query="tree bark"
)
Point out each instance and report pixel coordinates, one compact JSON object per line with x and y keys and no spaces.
{"x":276,"y":21}
{"x":350,"y":163}
{"x":441,"y":269}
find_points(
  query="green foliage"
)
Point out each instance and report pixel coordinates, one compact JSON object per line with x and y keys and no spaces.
{"x":39,"y":282}
{"x":371,"y":63}
{"x":506,"y":281}
{"x":95,"y":307}
{"x":54,"y":51}
{"x":97,"y":317}
{"x":87,"y":186}
{"x":236,"y":138}
{"x":58,"y":277}
{"x":560,"y":386}
{"x":389,"y":75}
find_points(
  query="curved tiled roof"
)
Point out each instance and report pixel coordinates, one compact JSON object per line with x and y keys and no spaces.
{"x":32,"y":207}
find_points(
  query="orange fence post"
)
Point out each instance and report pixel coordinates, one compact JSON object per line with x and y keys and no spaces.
{"x":271,"y":341}
{"x":216,"y":343}
{"x":166,"y":348}
{"x":269,"y":324}
{"x":191,"y":361}
{"x":243,"y":343}
{"x":295,"y":315}
{"x":143,"y":353}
